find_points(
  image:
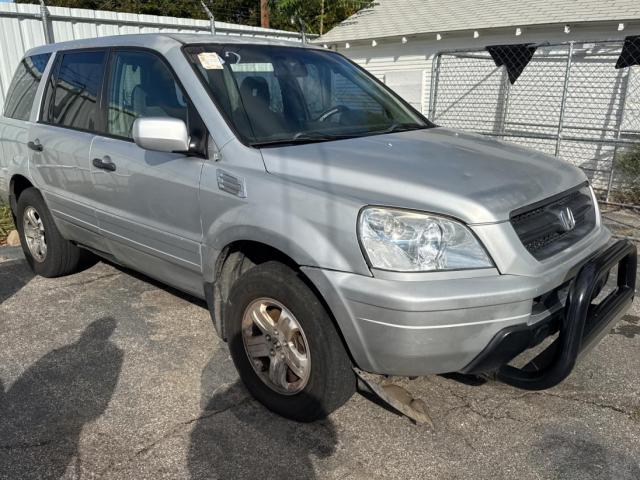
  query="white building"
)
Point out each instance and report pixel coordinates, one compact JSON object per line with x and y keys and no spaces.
{"x":584,"y":112}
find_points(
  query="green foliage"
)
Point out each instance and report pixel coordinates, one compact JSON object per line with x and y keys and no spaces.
{"x":244,"y":12}
{"x":6,"y":222}
{"x":311,"y":12}
{"x":627,"y":167}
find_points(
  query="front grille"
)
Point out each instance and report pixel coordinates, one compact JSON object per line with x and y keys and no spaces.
{"x":544,"y":229}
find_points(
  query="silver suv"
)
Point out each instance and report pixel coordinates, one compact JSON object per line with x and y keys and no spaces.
{"x":330,"y":227}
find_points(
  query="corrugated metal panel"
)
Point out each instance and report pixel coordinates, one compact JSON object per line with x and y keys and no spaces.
{"x":21,"y":29}
{"x":18,"y":32}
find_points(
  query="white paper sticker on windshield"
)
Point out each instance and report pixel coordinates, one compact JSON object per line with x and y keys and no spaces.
{"x":210,"y":61}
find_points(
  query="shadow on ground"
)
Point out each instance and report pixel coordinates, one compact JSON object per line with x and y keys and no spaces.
{"x":157,"y":284}
{"x":581,"y":453}
{"x":13,"y":276}
{"x":236,"y":437}
{"x":42,"y":414}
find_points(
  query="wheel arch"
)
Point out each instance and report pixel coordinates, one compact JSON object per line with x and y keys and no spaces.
{"x":232,"y":260}
{"x":17,"y":185}
{"x":235,"y":259}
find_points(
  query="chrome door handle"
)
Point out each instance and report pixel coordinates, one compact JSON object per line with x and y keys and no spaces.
{"x":36,"y":146}
{"x":104,"y":163}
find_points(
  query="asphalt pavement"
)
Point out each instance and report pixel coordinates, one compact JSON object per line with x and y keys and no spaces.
{"x":107,"y":374}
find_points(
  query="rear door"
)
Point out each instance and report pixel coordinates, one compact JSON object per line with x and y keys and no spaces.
{"x":146,"y":201}
{"x":61,"y":140}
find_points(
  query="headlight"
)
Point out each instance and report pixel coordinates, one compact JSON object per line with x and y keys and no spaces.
{"x":408,"y":241}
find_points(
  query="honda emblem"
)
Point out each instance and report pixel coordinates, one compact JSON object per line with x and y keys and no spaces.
{"x":567,"y":220}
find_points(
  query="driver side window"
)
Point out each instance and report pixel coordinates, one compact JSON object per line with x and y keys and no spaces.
{"x":324,"y":89}
{"x":315,"y":92}
{"x":141,"y":85}
{"x":347,"y":93}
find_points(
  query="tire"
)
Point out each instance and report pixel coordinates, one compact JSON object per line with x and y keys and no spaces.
{"x":61,"y":256}
{"x":330,"y":381}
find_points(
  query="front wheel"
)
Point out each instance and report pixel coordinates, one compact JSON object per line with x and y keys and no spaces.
{"x":285,"y":346}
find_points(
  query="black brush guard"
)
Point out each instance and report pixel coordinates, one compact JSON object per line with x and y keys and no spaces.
{"x":581,"y":325}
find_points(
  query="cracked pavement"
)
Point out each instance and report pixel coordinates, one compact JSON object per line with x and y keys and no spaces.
{"x":107,"y":374}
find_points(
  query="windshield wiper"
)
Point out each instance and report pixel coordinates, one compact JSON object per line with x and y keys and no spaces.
{"x":401,"y":127}
{"x":305,"y":137}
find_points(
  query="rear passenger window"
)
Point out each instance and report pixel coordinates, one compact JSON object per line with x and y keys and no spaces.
{"x":141,"y":85}
{"x":23,"y":87}
{"x":75,"y":92}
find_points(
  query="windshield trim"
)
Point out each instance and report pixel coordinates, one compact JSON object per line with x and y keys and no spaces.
{"x":256,"y":145}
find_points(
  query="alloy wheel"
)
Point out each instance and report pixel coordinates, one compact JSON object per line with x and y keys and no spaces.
{"x":276,"y":346}
{"x":34,"y":234}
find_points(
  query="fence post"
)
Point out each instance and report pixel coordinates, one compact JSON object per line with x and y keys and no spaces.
{"x":503,"y":98}
{"x":46,"y":25}
{"x":303,"y":30}
{"x":563,"y":104}
{"x":435,"y":75}
{"x":212,"y":19}
{"x":620,"y":119}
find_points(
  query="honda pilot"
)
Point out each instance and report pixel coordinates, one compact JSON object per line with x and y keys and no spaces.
{"x":330,"y":227}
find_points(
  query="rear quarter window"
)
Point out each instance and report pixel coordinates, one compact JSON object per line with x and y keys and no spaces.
{"x":22,"y":90}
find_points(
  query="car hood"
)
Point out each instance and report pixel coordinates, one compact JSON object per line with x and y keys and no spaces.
{"x":471,"y":177}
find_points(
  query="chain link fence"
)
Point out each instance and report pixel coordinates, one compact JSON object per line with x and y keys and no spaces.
{"x":569,"y":101}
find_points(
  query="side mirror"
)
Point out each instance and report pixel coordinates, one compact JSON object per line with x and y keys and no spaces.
{"x":163,"y":134}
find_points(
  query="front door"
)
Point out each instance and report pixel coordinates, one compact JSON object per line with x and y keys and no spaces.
{"x":146,"y":201}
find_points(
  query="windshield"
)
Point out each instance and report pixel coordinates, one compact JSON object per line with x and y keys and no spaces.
{"x":275,"y":95}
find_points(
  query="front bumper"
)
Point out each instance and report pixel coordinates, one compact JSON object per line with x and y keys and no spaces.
{"x":581,"y":324}
{"x":437,"y":323}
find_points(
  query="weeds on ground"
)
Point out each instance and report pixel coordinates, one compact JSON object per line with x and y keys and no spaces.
{"x":6,"y":222}
{"x":628,"y":165}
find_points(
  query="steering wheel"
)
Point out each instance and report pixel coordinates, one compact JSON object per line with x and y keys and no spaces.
{"x":330,"y":112}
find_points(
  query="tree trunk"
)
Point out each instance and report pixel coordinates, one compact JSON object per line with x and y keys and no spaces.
{"x":264,"y":13}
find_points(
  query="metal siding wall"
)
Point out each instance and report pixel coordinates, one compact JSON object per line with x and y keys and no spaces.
{"x":22,"y":29}
{"x":17,"y":34}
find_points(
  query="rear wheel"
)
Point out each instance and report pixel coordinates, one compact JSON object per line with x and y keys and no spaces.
{"x":285,"y":346}
{"x":46,"y":251}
